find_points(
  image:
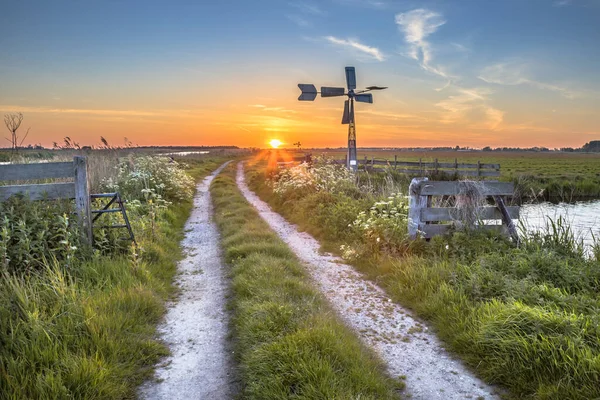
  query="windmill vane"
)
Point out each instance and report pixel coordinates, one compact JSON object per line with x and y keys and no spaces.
{"x":309,"y":93}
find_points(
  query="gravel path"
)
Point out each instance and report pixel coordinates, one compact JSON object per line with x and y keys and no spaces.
{"x":406,"y":345}
{"x":195,"y":327}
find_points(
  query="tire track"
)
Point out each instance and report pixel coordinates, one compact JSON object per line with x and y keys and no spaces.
{"x":196,"y":324}
{"x":405,"y":345}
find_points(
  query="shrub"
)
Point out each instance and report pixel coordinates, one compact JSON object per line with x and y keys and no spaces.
{"x":322,"y":176}
{"x":384,"y":227}
{"x":151,"y":177}
{"x":33,"y":233}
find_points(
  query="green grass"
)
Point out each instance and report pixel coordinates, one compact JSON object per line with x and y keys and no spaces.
{"x":537,"y":175}
{"x":289,"y":344}
{"x":526,"y":318}
{"x":88,"y":331}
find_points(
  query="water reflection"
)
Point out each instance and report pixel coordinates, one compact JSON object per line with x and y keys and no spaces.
{"x":583,"y":217}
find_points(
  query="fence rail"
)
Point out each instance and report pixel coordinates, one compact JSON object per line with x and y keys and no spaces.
{"x":478,"y":169}
{"x":432,"y":221}
{"x":78,"y":189}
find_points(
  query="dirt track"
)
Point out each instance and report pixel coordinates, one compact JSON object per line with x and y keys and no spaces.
{"x":195,"y":327}
{"x":405,"y":345}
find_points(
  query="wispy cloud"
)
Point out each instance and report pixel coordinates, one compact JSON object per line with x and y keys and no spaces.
{"x":101,"y":112}
{"x":561,"y":3}
{"x":459,"y":108}
{"x":417,"y":25}
{"x":356,"y":46}
{"x":274,"y":109}
{"x":394,"y":116}
{"x":308,"y":8}
{"x":298,"y":20}
{"x":378,"y":4}
{"x":516,"y":74}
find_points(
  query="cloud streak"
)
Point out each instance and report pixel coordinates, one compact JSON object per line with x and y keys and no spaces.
{"x":459,"y":108}
{"x":101,"y":112}
{"x":513,"y":74}
{"x":417,"y":25}
{"x":356,"y":46}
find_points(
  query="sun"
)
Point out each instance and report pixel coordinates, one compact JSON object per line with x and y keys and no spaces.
{"x":275,"y":143}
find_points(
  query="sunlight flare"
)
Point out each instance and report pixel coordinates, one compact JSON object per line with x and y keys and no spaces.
{"x":275,"y":143}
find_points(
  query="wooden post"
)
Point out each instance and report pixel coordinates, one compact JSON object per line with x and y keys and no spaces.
{"x":395,"y":161}
{"x":420,"y":166}
{"x":372,"y":161}
{"x":82,"y":198}
{"x":455,"y":166}
{"x":436,"y":165}
{"x":416,"y":204}
{"x":478,"y":168}
{"x":506,"y":219}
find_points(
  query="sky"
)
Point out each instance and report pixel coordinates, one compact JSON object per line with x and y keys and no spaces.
{"x":463,"y":72}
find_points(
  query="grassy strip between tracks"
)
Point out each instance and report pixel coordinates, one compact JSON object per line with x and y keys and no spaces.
{"x":289,"y":343}
{"x":86,"y":328}
{"x":525,"y":318}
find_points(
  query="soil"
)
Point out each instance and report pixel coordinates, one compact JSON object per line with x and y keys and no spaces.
{"x":405,"y":344}
{"x":196,"y":324}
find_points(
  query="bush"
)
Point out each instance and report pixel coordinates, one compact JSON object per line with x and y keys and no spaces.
{"x":321,"y":176}
{"x":147,"y":177}
{"x":33,"y":233}
{"x":385,"y":226}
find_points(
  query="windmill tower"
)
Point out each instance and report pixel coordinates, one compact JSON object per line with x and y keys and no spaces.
{"x":309,"y":93}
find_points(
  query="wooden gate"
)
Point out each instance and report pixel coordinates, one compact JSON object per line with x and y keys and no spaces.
{"x":429,"y":221}
{"x":77,"y":188}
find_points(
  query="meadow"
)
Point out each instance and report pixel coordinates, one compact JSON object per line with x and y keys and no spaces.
{"x":289,"y":344}
{"x":80,"y":322}
{"x":553,"y":176}
{"x":523,"y":317}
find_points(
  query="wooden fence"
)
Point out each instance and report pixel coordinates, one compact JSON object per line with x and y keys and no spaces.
{"x":78,"y":188}
{"x":431,"y":221}
{"x":422,"y":168}
{"x":419,"y":168}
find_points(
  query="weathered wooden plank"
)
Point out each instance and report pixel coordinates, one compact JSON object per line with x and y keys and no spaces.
{"x":82,"y":198}
{"x":431,"y":165}
{"x":436,"y":214}
{"x":507,"y":219}
{"x":22,"y":172}
{"x":42,"y":191}
{"x":449,"y":172}
{"x":416,"y":204}
{"x":450,"y":188}
{"x":431,"y":230}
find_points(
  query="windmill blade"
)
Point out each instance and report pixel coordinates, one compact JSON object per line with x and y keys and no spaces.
{"x":332,"y":91}
{"x":309,"y":92}
{"x":351,"y":78}
{"x":364,"y":98}
{"x":376,"y":87}
{"x":348,"y":112}
{"x":346,"y":116}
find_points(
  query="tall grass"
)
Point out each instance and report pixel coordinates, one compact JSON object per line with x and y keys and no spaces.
{"x":525,"y":318}
{"x":86,"y":329}
{"x":289,"y":343}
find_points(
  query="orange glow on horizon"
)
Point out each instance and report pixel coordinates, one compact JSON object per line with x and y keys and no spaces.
{"x":275,"y":143}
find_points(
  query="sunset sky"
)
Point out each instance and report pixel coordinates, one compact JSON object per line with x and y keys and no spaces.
{"x":207,"y":72}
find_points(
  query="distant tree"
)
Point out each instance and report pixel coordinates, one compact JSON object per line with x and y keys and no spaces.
{"x":13,"y":123}
{"x":487,"y":148}
{"x":593,"y":146}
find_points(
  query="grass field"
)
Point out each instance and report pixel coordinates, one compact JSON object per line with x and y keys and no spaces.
{"x":79,"y":325}
{"x":525,"y":318}
{"x":538,"y":176}
{"x":289,"y":343}
{"x":513,"y":164}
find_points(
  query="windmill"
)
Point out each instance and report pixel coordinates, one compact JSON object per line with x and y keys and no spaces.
{"x":309,"y":93}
